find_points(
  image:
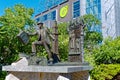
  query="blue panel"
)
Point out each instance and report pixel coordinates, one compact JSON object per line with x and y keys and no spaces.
{"x":95,"y":1}
{"x":87,"y":0}
{"x":76,"y":9}
{"x":99,"y":8}
{"x":47,"y":4}
{"x":49,"y":16}
{"x":53,"y":15}
{"x":37,"y":19}
{"x":87,"y":10}
{"x":99,"y":1}
{"x":45,"y":17}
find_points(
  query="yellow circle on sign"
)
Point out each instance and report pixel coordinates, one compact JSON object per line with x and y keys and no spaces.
{"x":64,"y":11}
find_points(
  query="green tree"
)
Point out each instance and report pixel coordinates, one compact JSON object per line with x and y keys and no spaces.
{"x":91,"y":37}
{"x":63,"y":41}
{"x":17,"y":16}
{"x":14,"y":19}
{"x":90,"y":20}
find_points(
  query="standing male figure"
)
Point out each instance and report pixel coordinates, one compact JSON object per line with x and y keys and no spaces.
{"x":43,"y":39}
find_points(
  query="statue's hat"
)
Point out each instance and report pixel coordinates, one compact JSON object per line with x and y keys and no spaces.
{"x":39,"y":23}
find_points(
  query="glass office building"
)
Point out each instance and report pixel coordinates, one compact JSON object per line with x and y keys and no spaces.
{"x":94,"y":7}
{"x":46,"y":5}
{"x":107,"y":11}
{"x":76,"y":10}
{"x":50,"y":16}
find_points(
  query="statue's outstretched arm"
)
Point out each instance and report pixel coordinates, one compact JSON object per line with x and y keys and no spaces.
{"x":32,"y":34}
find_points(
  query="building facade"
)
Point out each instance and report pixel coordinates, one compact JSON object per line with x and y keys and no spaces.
{"x":63,"y":11}
{"x":94,"y":7}
{"x":107,"y":11}
{"x":110,"y":18}
{"x":66,"y":10}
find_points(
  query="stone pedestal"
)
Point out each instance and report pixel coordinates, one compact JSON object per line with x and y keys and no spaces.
{"x":20,"y":70}
{"x":48,"y":72}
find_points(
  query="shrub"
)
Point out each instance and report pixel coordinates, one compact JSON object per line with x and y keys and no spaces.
{"x":105,"y":59}
{"x":105,"y":71}
{"x":108,"y":53}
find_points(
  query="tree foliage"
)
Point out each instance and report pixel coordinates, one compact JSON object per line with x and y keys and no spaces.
{"x":90,"y":20}
{"x":105,"y":59}
{"x":14,"y":19}
{"x":108,"y":53}
{"x":17,"y":16}
{"x":63,"y":41}
{"x":92,"y":38}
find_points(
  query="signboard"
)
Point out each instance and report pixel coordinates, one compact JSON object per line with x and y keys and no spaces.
{"x":23,"y":37}
{"x":64,"y":11}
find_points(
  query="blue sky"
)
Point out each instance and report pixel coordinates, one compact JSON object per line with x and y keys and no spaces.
{"x":27,"y":3}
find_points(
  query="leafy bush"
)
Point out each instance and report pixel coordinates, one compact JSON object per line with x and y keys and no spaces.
{"x":108,"y":53}
{"x":105,"y":59}
{"x":92,"y":38}
{"x":105,"y":71}
{"x":2,"y":75}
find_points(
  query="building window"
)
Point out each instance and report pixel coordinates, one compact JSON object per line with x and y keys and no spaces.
{"x":53,"y":15}
{"x":94,"y":7}
{"x":45,"y":17}
{"x":76,"y":9}
{"x":47,"y":4}
{"x":49,"y":16}
{"x":38,"y":19}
